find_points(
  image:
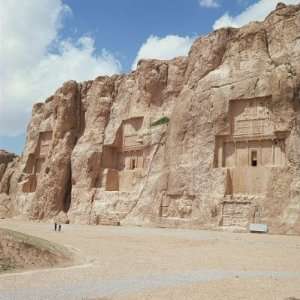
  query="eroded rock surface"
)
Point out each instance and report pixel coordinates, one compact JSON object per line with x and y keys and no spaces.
{"x":210,"y":140}
{"x":7,"y":165}
{"x":20,"y":251}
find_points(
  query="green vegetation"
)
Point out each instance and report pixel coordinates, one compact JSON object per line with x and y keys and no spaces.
{"x":161,"y":121}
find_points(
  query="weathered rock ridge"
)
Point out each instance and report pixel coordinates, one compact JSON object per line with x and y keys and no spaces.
{"x":7,"y":164}
{"x":211,"y":140}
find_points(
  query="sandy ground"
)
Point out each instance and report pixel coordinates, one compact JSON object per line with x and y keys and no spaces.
{"x":124,"y":263}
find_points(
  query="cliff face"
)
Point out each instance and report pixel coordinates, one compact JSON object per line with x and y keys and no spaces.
{"x":7,"y":165}
{"x":209,"y":140}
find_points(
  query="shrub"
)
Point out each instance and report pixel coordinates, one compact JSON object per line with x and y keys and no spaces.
{"x":161,"y":121}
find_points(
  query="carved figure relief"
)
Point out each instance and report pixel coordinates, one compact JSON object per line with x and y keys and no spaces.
{"x":252,"y":118}
{"x":176,"y":206}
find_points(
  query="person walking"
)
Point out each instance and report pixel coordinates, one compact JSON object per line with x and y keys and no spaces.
{"x":55,"y":226}
{"x":59,"y":227}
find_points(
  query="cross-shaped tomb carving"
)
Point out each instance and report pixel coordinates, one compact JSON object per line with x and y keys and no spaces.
{"x":253,"y":140}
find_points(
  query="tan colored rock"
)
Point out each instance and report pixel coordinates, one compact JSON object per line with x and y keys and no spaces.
{"x":62,"y":218}
{"x":5,"y":206}
{"x":5,"y":159}
{"x":211,"y":140}
{"x":7,"y":166}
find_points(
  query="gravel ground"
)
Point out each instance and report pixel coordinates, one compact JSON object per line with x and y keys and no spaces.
{"x":150,"y":263}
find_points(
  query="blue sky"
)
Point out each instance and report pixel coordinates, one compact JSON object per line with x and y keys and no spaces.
{"x":51,"y":41}
{"x":122,"y":26}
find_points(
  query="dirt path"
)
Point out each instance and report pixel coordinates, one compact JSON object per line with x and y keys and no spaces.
{"x":148,"y":263}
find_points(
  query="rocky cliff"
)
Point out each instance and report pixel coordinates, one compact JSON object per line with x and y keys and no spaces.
{"x":7,"y":165}
{"x":211,"y":140}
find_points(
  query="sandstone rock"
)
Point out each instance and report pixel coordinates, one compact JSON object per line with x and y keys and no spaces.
{"x":5,"y":159}
{"x":7,"y":165}
{"x":5,"y":206}
{"x":211,"y":140}
{"x":62,"y":218}
{"x":280,"y":5}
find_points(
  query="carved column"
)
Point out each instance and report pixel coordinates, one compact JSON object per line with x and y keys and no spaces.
{"x":273,"y":153}
{"x":260,"y":150}
{"x":248,"y":153}
{"x":235,"y":154}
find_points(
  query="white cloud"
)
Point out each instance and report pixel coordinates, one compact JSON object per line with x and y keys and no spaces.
{"x":164,"y":48}
{"x":209,"y":3}
{"x":30,"y":72}
{"x":255,"y":12}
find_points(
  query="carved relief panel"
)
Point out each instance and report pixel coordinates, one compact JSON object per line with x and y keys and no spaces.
{"x":44,"y":143}
{"x":251,"y":117}
{"x":131,"y":130}
{"x":236,"y":214}
{"x":253,"y":141}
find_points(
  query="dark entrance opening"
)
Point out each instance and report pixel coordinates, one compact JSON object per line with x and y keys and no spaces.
{"x":133,"y":164}
{"x":254,"y":158}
